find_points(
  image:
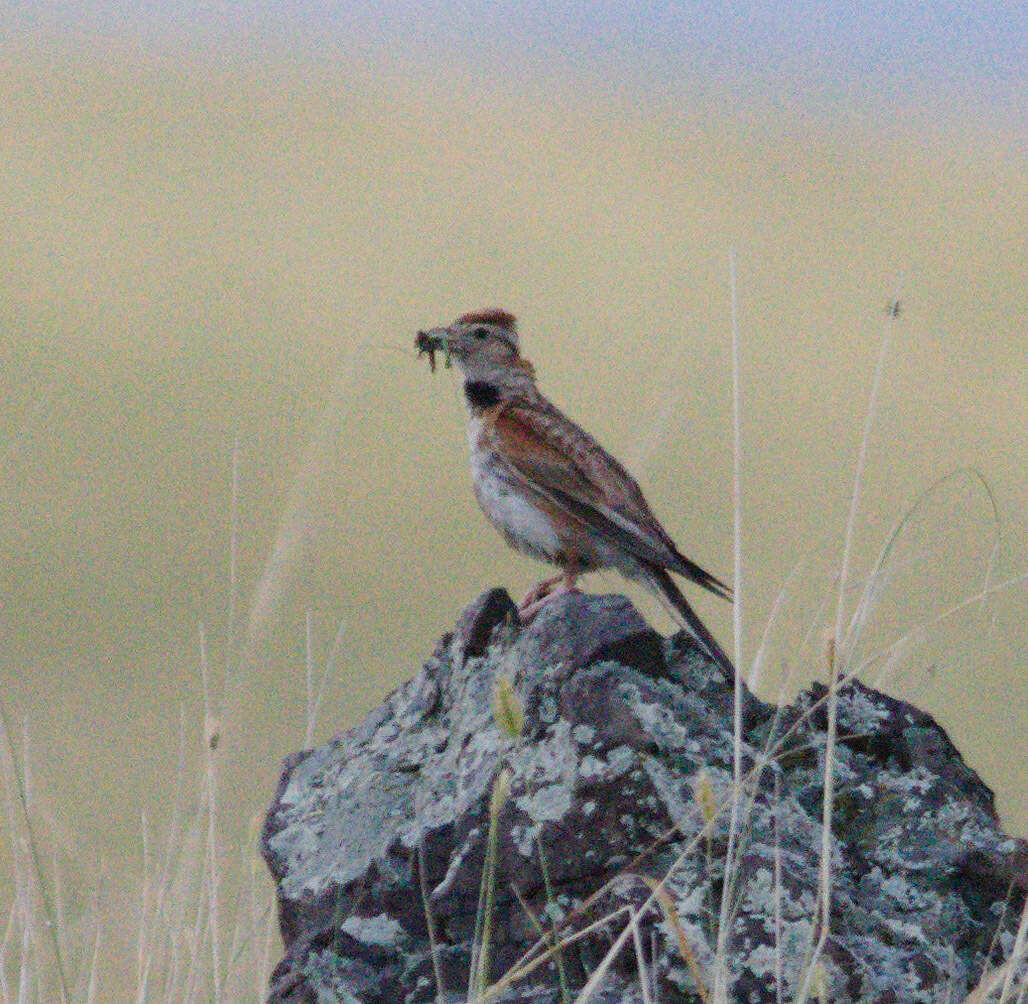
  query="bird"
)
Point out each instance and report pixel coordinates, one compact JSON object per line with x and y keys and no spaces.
{"x":550,"y":489}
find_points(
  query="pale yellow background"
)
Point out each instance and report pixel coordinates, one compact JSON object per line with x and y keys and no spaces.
{"x":208,"y":248}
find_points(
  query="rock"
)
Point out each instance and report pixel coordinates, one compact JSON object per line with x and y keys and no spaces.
{"x":479,"y":621}
{"x":620,"y":776}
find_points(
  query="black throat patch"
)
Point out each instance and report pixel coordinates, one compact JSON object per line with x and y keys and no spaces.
{"x":481,"y":395}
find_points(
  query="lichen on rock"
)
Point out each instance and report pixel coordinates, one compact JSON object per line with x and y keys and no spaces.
{"x":618,"y":725}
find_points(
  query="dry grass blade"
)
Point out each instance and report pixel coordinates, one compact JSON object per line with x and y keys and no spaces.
{"x":28,"y":871}
{"x":827,"y":804}
{"x":213,"y":872}
{"x":1018,"y":954}
{"x":727,"y":888}
{"x":838,"y":638}
{"x":481,"y":960}
{"x":598,"y":974}
{"x":233,"y":561}
{"x":756,"y":668}
{"x":565,"y":994}
{"x":149,"y":910}
{"x":526,"y":968}
{"x":5,"y":947}
{"x":296,"y":531}
{"x":873,"y":582}
{"x":779,"y":961}
{"x":545,"y":935}
{"x":667,"y":907}
{"x":640,"y":958}
{"x":433,"y":941}
{"x":989,"y":984}
{"x":316,"y":697}
{"x":94,"y":965}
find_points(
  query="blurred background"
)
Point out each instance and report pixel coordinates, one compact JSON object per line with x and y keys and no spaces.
{"x":220,"y":459}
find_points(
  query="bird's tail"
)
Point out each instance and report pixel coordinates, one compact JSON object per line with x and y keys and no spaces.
{"x":686,"y":616}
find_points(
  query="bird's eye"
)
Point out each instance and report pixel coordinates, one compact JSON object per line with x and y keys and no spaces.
{"x":480,"y":333}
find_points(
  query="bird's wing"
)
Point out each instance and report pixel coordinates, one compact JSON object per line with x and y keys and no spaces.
{"x":552,"y":457}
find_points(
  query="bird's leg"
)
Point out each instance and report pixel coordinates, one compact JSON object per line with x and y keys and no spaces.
{"x":559,"y":585}
{"x":538,"y":592}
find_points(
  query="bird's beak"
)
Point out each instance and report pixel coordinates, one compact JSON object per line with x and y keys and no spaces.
{"x":433,"y":341}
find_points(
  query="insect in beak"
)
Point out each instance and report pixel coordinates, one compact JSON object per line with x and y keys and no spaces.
{"x":429,"y":345}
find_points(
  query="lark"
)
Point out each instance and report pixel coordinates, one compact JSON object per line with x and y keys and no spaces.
{"x":552,"y":491}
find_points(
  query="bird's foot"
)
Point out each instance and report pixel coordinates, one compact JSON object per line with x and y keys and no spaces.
{"x":526,"y":613}
{"x":537,"y":597}
{"x":538,"y":592}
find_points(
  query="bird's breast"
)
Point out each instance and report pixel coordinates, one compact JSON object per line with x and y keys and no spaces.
{"x":526,"y":526}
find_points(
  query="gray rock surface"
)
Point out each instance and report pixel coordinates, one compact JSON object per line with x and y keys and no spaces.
{"x":627,"y":737}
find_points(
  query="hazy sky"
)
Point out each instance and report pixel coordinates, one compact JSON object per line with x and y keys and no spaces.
{"x":955,"y":48}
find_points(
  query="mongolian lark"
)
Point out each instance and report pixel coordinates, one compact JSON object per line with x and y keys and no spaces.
{"x":548,"y":486}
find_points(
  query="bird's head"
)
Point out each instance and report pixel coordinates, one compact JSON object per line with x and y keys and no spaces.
{"x":484,"y":344}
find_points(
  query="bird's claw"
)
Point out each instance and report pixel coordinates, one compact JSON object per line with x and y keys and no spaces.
{"x":541,"y":594}
{"x":538,"y":592}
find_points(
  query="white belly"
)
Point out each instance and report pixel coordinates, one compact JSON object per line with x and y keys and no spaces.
{"x":526,"y":528}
